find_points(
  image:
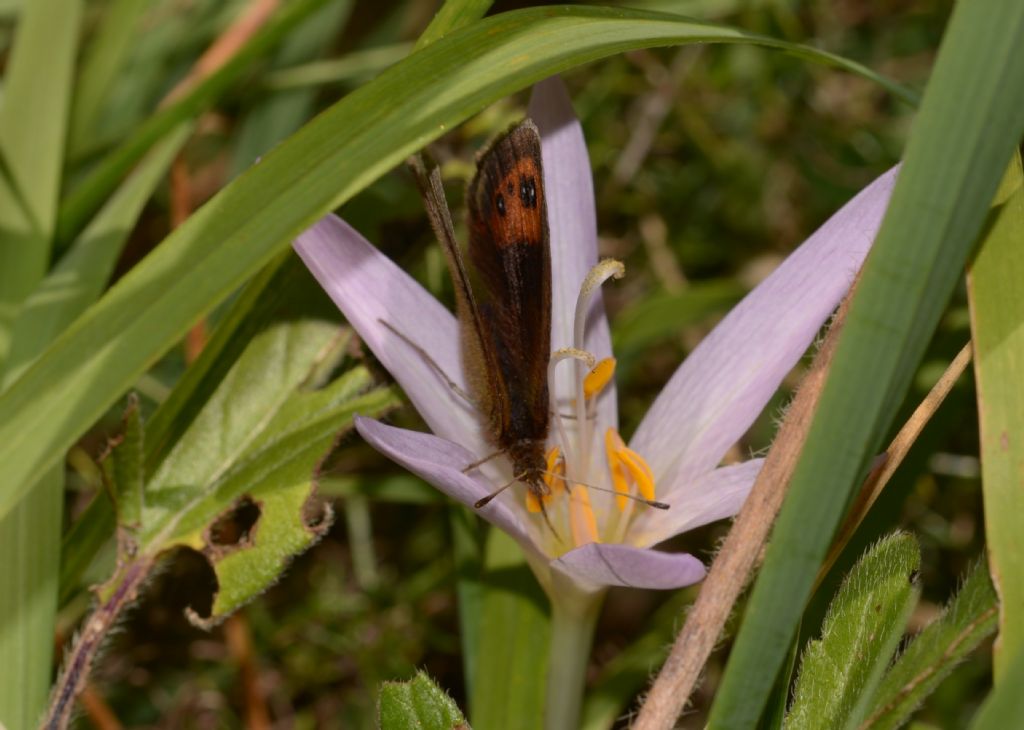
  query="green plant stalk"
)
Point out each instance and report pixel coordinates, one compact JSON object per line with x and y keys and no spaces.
{"x":126,"y":583}
{"x":573,"y":618}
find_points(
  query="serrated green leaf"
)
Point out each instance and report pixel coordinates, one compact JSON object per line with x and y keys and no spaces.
{"x":255,"y":218}
{"x":249,"y":457}
{"x":970,"y":121}
{"x":249,"y":313}
{"x":932,"y":655}
{"x":418,"y":704}
{"x":997,"y":330}
{"x":515,"y":635}
{"x":839,"y":672}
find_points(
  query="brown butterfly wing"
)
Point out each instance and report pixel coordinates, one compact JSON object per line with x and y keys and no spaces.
{"x":510,"y":252}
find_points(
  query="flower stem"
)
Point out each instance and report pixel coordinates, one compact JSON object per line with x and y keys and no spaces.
{"x":572,"y":632}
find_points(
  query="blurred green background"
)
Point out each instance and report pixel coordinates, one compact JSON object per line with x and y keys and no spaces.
{"x":710,"y":165}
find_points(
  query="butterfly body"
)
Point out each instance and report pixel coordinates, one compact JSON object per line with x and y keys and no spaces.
{"x":508,"y":353}
{"x":503,"y":301}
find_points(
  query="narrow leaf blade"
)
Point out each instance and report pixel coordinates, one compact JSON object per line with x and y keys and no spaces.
{"x":971,"y":118}
{"x":997,"y":329}
{"x":324,"y":164}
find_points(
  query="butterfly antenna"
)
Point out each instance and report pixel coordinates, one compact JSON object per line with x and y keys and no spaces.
{"x":486,"y":500}
{"x":635,"y":497}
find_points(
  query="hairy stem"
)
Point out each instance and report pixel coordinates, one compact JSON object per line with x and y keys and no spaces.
{"x":79,"y":662}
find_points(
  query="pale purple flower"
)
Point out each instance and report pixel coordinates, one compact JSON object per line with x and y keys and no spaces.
{"x":708,"y":404}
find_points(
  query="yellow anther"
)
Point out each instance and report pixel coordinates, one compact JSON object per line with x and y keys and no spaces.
{"x":627,"y":468}
{"x":555,"y":471}
{"x":640,"y":472}
{"x":554,"y":478}
{"x":598,"y":377}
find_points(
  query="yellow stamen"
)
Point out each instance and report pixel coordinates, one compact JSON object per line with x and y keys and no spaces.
{"x":627,"y":467}
{"x":555,"y":471}
{"x":598,"y":377}
{"x":553,"y":477}
{"x":581,"y":517}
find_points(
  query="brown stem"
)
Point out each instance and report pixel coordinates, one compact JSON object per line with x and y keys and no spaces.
{"x":239,"y":642}
{"x":79,"y":662}
{"x":731,"y":569}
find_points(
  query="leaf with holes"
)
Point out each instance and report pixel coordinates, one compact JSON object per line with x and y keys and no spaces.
{"x":238,"y":486}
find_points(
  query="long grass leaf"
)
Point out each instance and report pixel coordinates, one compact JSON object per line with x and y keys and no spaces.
{"x":971,"y":118}
{"x":335,"y":156}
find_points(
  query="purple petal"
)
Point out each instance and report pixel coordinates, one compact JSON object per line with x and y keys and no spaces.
{"x":368,"y":287}
{"x":720,"y":389}
{"x":597,"y":565}
{"x":712,"y":496}
{"x":572,"y":222}
{"x":441,"y":462}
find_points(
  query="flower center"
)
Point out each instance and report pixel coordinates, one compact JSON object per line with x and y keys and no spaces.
{"x":569,"y":464}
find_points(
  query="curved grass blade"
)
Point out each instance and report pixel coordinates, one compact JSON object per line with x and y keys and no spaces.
{"x":332,"y":158}
{"x":971,"y":118}
{"x":90,"y":193}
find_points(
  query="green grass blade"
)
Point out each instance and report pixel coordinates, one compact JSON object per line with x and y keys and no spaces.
{"x":468,"y":552}
{"x":101,"y":62}
{"x":839,"y":671}
{"x":252,"y":220}
{"x":81,"y":275}
{"x":997,"y":328}
{"x":278,"y":115}
{"x":30,"y":540}
{"x":514,"y":633}
{"x":33,"y":119}
{"x":33,"y":122}
{"x":347,"y":69}
{"x":453,"y":15}
{"x":90,"y":193}
{"x":971,"y":118}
